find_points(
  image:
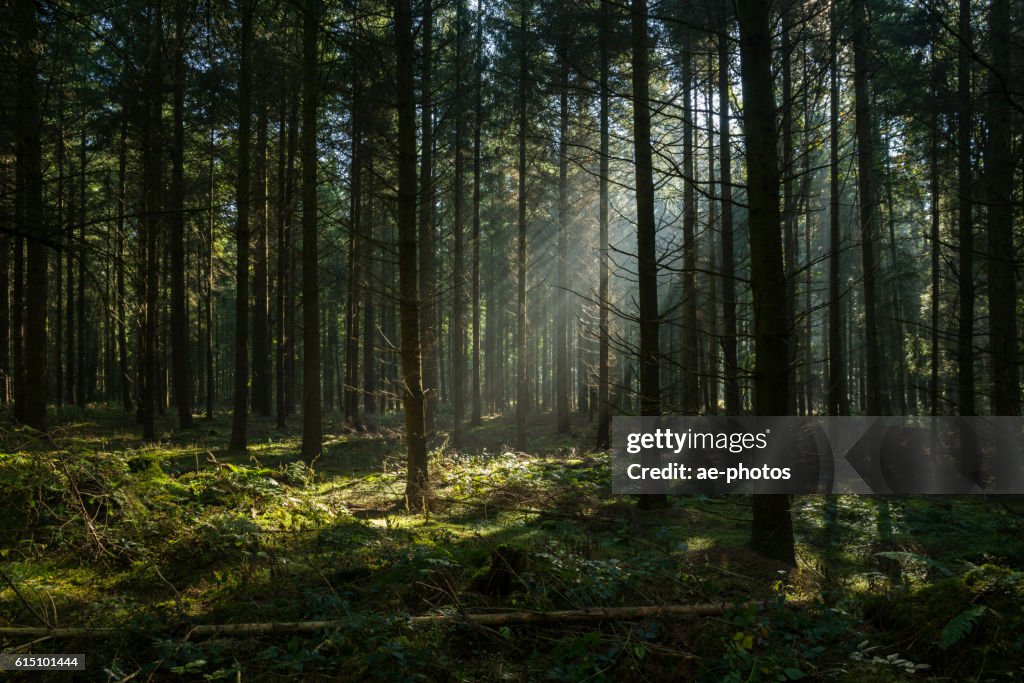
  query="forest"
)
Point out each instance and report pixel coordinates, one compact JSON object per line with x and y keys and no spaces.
{"x":315,"y":316}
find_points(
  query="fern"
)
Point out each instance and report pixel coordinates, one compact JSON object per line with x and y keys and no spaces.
{"x":960,"y":625}
{"x":902,"y":556}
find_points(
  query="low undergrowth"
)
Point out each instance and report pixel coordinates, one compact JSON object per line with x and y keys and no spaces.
{"x":101,"y":530}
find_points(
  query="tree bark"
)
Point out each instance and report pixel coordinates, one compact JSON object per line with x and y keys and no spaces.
{"x":65,"y":252}
{"x":312,"y":427}
{"x":81,"y":389}
{"x":356,"y":254}
{"x":647,"y":267}
{"x":29,"y":211}
{"x":603,"y":365}
{"x":417,"y":477}
{"x":561,"y":313}
{"x":261,"y":342}
{"x":285,"y":157}
{"x":646,"y":229}
{"x":965,"y":188}
{"x":286,"y":286}
{"x":999,"y":170}
{"x":868,"y":206}
{"x":729,"y":333}
{"x":211,"y":379}
{"x":239,"y":439}
{"x":370,"y":335}
{"x":355,"y":293}
{"x":838,"y":401}
{"x":122,"y":323}
{"x":690,"y":333}
{"x":18,"y":307}
{"x":458,"y":256}
{"x":458,"y":331}
{"x":249,"y":630}
{"x":152,"y":193}
{"x":789,"y":200}
{"x":70,"y":357}
{"x":476,"y":409}
{"x":179,"y":315}
{"x":772,"y":531}
{"x":5,"y":284}
{"x":522,"y":384}
{"x":426,"y":257}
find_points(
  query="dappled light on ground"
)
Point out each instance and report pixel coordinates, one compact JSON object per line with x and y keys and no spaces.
{"x":104,"y":532}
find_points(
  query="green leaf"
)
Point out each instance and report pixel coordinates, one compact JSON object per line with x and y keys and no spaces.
{"x":902,"y":556}
{"x":960,"y":625}
{"x":794,"y":674}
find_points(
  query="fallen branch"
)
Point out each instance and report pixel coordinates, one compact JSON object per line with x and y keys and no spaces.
{"x":485,"y":619}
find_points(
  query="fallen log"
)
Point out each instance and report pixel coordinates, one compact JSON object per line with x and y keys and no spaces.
{"x":590,"y":614}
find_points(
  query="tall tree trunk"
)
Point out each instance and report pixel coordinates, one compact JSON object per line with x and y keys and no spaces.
{"x":122,"y":323}
{"x":329,"y":316}
{"x":868,"y":206}
{"x":152,"y":193}
{"x":65,"y":252}
{"x":18,"y":305}
{"x":603,"y":366}
{"x":690,"y":333}
{"x":356,"y":255}
{"x":312,"y":427}
{"x":283,"y":216}
{"x":897,"y":393}
{"x":110,"y":385}
{"x":5,"y":283}
{"x":838,"y":401}
{"x":807,"y":382}
{"x":646,"y":229}
{"x":999,"y":170}
{"x":71,"y":358}
{"x":426,"y":257}
{"x":458,"y":332}
{"x":936,"y":218}
{"x":240,"y":414}
{"x":965,"y":188}
{"x":370,"y":335}
{"x":360,"y":155}
{"x":477,"y":125}
{"x":417,"y":477}
{"x":211,"y":377}
{"x":789,"y":200}
{"x":561,"y":314}
{"x":647,"y":268}
{"x":261,"y":342}
{"x":772,"y":530}
{"x":713,"y":377}
{"x":179,"y":316}
{"x":29,"y":211}
{"x":82,"y":379}
{"x":286,"y":262}
{"x":729,"y":333}
{"x":522,"y":384}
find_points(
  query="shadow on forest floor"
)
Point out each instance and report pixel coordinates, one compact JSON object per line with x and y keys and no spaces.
{"x":149,"y":538}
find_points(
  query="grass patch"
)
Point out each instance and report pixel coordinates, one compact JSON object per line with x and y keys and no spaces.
{"x":106,"y":531}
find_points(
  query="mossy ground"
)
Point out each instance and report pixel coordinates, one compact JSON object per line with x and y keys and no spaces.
{"x":102,"y":530}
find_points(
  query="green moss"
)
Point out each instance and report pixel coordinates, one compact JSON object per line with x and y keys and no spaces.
{"x":971,"y":622}
{"x":191,"y":531}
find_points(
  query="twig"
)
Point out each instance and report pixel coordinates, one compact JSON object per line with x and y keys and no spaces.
{"x":590,"y":614}
{"x":24,"y":646}
{"x":25,"y":602}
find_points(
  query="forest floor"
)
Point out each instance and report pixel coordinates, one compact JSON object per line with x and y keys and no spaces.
{"x":100,"y":530}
